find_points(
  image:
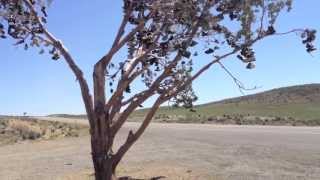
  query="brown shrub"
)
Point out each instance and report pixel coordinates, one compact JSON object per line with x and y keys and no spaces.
{"x":25,"y":129}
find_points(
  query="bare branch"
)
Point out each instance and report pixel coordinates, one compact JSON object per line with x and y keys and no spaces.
{"x":262,"y":18}
{"x":86,"y":96}
{"x":118,"y":43}
{"x":289,"y":32}
{"x":140,"y":98}
{"x":124,"y":81}
{"x":240,"y":85}
{"x":121,"y":30}
{"x":115,"y":101}
{"x":126,"y":102}
{"x":132,"y":137}
{"x":182,"y":85}
{"x":100,"y":66}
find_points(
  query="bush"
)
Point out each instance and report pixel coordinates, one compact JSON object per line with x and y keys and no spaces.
{"x":25,"y":129}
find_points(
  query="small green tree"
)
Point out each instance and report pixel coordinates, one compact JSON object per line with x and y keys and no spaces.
{"x":162,"y":37}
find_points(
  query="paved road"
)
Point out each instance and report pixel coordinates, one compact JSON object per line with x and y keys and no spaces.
{"x":205,"y":151}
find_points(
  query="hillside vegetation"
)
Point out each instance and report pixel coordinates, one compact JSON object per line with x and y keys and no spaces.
{"x":289,"y":105}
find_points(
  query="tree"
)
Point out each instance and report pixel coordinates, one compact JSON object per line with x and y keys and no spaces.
{"x":163,"y":39}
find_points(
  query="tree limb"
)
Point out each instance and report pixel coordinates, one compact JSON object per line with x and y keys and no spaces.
{"x":183,"y":85}
{"x":240,"y":85}
{"x":217,"y":60}
{"x":86,"y":96}
{"x":134,"y":104}
{"x":132,"y":137}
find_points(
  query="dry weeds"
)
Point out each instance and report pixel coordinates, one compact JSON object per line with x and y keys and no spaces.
{"x":15,"y":130}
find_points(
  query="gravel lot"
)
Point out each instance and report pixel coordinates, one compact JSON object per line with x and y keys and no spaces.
{"x":190,"y":151}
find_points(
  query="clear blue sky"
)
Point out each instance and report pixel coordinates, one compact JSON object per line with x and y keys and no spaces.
{"x":37,"y":85}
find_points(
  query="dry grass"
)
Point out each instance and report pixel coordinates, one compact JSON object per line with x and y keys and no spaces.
{"x":26,"y":129}
{"x":15,"y":130}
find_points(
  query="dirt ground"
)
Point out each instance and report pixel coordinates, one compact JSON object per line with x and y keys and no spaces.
{"x":178,"y":151}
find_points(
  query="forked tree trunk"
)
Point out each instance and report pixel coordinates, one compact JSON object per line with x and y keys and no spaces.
{"x":101,"y":141}
{"x":101,"y":148}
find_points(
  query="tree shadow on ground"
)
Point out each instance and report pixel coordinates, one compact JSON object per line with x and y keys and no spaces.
{"x":131,"y":178}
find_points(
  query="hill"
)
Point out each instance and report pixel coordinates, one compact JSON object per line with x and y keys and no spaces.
{"x":309,"y":93}
{"x":283,"y":105}
{"x":76,"y":116}
{"x":292,"y":105}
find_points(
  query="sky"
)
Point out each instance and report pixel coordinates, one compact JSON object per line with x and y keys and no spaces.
{"x":37,"y":85}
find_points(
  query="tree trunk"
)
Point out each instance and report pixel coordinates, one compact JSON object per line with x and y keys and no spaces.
{"x":103,"y":170}
{"x":103,"y":164}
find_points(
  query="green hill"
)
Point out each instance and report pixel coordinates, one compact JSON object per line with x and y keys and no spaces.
{"x":295,"y":103}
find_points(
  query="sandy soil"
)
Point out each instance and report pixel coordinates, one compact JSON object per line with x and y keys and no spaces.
{"x":179,"y":151}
